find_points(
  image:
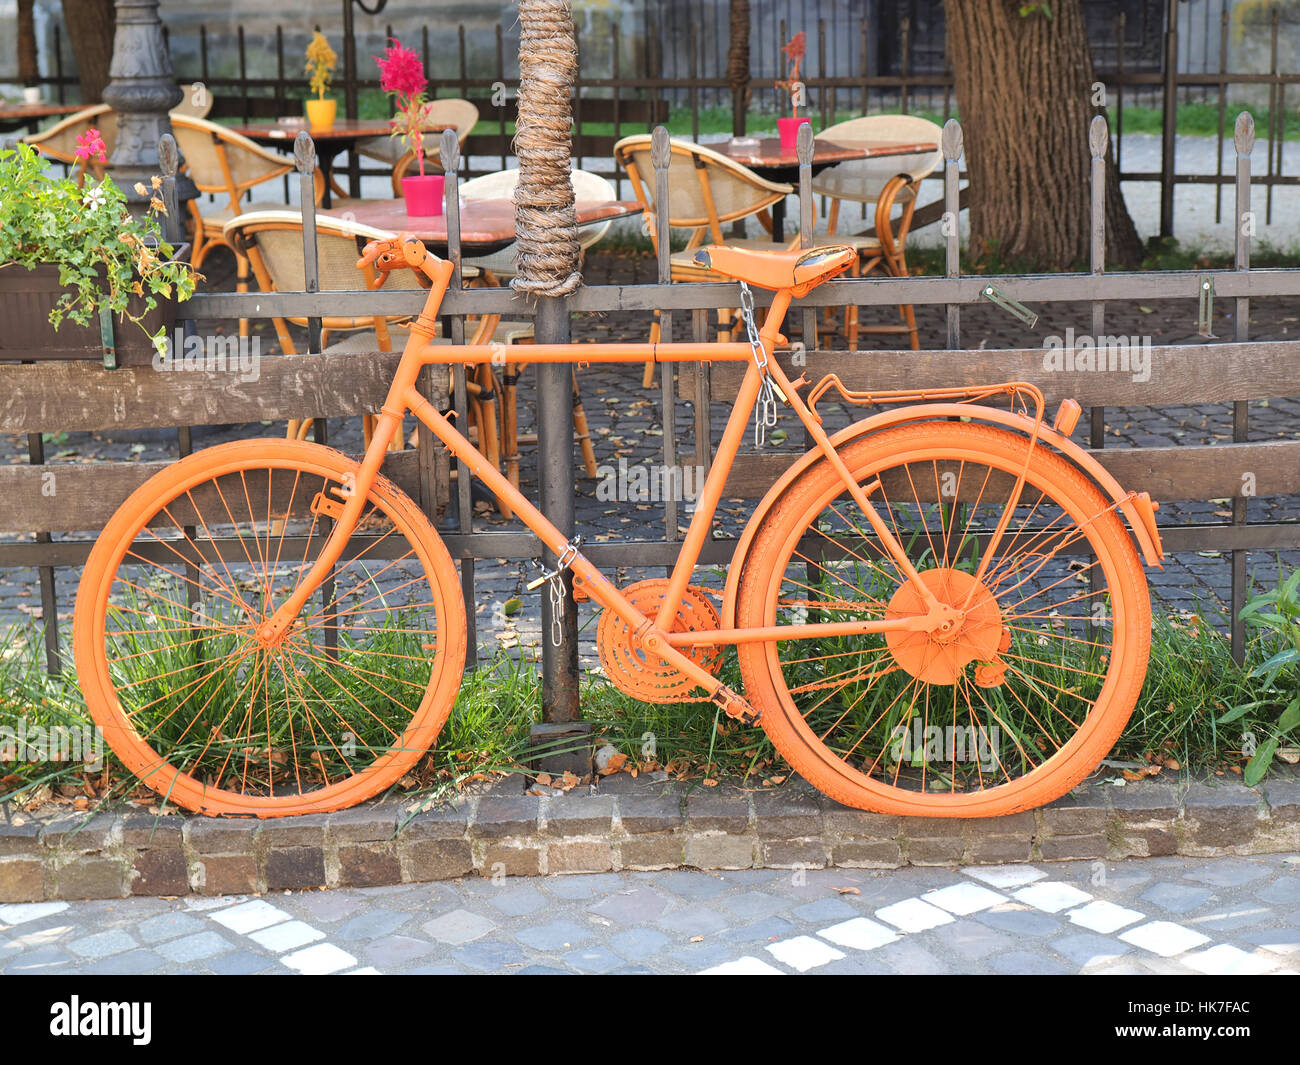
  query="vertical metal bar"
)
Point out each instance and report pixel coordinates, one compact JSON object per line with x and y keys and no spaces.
{"x":1098,"y":142}
{"x":203,"y":52}
{"x":821,"y":70}
{"x":807,"y":230}
{"x":464,"y":69}
{"x":863,"y":67}
{"x":349,"y":62}
{"x":1169,"y":129}
{"x":660,"y":156}
{"x":49,"y":596}
{"x":449,"y":151}
{"x":58,"y":64}
{"x":693,"y":48}
{"x":905,"y":65}
{"x":243,"y":72}
{"x":1275,"y":121}
{"x":703,"y":397}
{"x":1223,"y":104}
{"x":951,"y":143}
{"x":1120,"y":25}
{"x":501,"y":79}
{"x":1243,"y":140}
{"x":616,"y":46}
{"x":577,"y":97}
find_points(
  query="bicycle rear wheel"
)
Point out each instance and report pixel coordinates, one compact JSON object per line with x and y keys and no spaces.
{"x":165,"y":629}
{"x":1008,"y":711}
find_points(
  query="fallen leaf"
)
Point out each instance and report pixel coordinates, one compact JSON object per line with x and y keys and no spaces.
{"x":848,"y":891}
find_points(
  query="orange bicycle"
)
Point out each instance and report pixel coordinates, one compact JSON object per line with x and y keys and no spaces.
{"x":935,"y":611}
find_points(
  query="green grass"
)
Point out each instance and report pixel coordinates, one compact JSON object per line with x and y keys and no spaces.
{"x":1192,"y":683}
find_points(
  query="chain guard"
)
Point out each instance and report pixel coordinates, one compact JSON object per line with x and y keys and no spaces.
{"x":647,"y":676}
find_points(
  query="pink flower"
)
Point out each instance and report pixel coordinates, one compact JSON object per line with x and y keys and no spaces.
{"x":90,"y":145}
{"x":400,"y":71}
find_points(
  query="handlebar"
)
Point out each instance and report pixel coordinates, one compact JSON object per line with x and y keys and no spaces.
{"x":395,"y":253}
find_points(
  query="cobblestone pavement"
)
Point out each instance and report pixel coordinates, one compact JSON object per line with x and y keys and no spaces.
{"x":627,"y":425}
{"x":1229,"y":916}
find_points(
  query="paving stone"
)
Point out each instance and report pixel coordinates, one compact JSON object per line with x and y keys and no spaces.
{"x":168,"y":926}
{"x":1085,"y":948}
{"x":1019,"y":920}
{"x":1224,"y":816}
{"x":241,"y":963}
{"x":652,"y":852}
{"x":696,"y":920}
{"x":305,"y":830}
{"x":1103,"y":916}
{"x":518,"y":901}
{"x":458,"y":927}
{"x":91,"y":878}
{"x":160,"y":872}
{"x":1022,"y":963}
{"x":129,"y":963}
{"x":1145,"y":801}
{"x":719,"y":852}
{"x":1059,"y":848}
{"x":40,"y":960}
{"x":1228,"y":872}
{"x":21,"y":839}
{"x":963,"y":898}
{"x":973,"y":940}
{"x":638,"y":943}
{"x":1176,"y":898}
{"x":1281,"y":791}
{"x":363,"y":824}
{"x":1241,"y":915}
{"x":102,"y":944}
{"x":792,"y":854}
{"x":580,"y":856}
{"x":512,"y":861}
{"x":946,"y":850}
{"x":1285,"y":890}
{"x":1284,"y":941}
{"x":1223,"y":959}
{"x":372,"y":924}
{"x":490,"y":956}
{"x":803,"y":953}
{"x":326,"y":906}
{"x":859,"y":933}
{"x":78,"y":833}
{"x":22,"y":880}
{"x":913,"y":915}
{"x":292,"y":868}
{"x":746,"y":966}
{"x":555,"y":936}
{"x":389,"y":952}
{"x":583,"y":886}
{"x":320,"y":959}
{"x":228,"y":874}
{"x":768,"y":930}
{"x":249,"y":916}
{"x":650,"y":813}
{"x":1163,"y":938}
{"x":860,"y":823}
{"x":439,"y":822}
{"x":717,"y":810}
{"x":212,"y":835}
{"x":751,"y":905}
{"x":1007,"y":876}
{"x":594,"y":959}
{"x":194,"y":948}
{"x":505,"y":815}
{"x":633,"y":906}
{"x":1052,"y":896}
{"x":574,"y":814}
{"x":823,"y":910}
{"x":867,"y":854}
{"x":783,"y":815}
{"x":440,"y":859}
{"x":367,"y":865}
{"x":998,"y":849}
{"x":907,"y":956}
{"x":290,"y":935}
{"x":162,"y":831}
{"x":1083,"y":812}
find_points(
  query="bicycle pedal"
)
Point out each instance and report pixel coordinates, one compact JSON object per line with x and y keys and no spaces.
{"x":735,"y":706}
{"x":327,"y":506}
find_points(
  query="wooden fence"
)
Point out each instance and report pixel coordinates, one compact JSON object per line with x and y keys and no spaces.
{"x":84,"y":396}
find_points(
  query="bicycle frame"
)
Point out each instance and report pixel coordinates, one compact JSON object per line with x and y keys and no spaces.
{"x":403,"y":396}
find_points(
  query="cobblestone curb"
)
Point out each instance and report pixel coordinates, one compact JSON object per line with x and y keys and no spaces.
{"x":621,"y":824}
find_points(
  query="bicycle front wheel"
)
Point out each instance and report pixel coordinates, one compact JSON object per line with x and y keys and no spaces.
{"x":1008,"y":710}
{"x":215,"y":720}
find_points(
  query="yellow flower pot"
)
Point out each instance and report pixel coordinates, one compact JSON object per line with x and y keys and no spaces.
{"x":320,"y":113}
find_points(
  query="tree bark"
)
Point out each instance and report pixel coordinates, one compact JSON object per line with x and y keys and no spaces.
{"x":1025,"y":91}
{"x":738,"y":64}
{"x":90,"y":35}
{"x":28,"y":70}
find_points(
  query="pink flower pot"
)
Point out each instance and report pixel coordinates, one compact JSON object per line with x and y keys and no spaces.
{"x":788,"y":128}
{"x":423,"y":195}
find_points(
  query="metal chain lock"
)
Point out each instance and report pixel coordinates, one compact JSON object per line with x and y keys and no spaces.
{"x":765,"y":411}
{"x":554,"y":577}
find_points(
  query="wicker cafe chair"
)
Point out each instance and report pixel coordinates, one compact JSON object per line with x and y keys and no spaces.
{"x":188,"y":107}
{"x":59,"y":142}
{"x":272,"y":243}
{"x":705,"y":189}
{"x":219,"y":161}
{"x":888,"y":182}
{"x":502,"y":264}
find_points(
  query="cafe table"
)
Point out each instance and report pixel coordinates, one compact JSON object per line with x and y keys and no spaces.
{"x":767,"y":158}
{"x":341,"y":137}
{"x":16,"y":116}
{"x":486,"y":226}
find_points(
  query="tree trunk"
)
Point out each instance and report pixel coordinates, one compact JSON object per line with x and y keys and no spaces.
{"x":1025,"y":94}
{"x":738,"y":64}
{"x":28,"y":71}
{"x":90,"y":35}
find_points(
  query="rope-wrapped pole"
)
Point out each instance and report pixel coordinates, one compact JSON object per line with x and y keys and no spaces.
{"x":548,"y":255}
{"x":545,"y":221}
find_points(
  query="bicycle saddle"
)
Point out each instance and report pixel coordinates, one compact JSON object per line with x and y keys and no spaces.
{"x":798,"y":270}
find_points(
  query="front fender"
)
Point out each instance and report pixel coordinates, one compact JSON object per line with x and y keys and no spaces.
{"x":1137,"y":507}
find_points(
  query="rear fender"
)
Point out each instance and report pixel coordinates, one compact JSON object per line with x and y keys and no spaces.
{"x":1137,"y":507}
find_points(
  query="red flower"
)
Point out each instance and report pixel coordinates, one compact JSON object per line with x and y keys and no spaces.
{"x":798,"y":46}
{"x":90,"y":145}
{"x":400,"y":71}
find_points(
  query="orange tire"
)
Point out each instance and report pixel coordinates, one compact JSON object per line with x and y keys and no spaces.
{"x":1050,"y":655}
{"x":187,"y":697}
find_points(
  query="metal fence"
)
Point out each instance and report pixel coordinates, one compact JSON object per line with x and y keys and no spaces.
{"x":85,"y":396}
{"x":678,"y":65}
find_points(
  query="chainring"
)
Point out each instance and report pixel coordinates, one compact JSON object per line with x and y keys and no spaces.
{"x":647,"y":676}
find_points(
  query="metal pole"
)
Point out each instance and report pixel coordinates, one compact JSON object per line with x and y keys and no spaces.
{"x":1169,"y":129}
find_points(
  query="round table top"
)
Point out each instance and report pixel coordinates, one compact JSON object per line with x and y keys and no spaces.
{"x":40,"y":110}
{"x":485,"y":225}
{"x":342,"y":129}
{"x":766,"y":153}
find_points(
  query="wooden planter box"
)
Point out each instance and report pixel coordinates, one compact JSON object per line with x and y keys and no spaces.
{"x":28,"y":296}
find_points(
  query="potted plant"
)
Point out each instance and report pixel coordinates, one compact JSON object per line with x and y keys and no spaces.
{"x":80,"y":277}
{"x":401,"y":75}
{"x":788,"y":128}
{"x":321,"y":61}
